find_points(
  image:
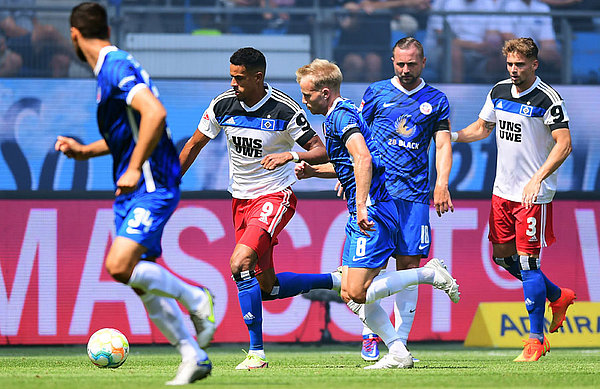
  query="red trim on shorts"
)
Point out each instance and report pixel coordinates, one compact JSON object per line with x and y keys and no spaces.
{"x":531,"y":229}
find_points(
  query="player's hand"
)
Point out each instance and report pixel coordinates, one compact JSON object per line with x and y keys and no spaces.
{"x":69,"y":147}
{"x":442,"y":200}
{"x":273,"y":161}
{"x":340,"y":190}
{"x":304,"y":170}
{"x":128,"y":181}
{"x":530,"y":193}
{"x":362,"y":219}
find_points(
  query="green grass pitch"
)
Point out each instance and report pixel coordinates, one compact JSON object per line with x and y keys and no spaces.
{"x":442,"y":365}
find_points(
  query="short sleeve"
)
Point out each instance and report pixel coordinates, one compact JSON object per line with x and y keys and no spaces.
{"x":556,"y":116}
{"x":127,"y":81}
{"x":346,"y":124}
{"x":299,"y":128}
{"x":488,"y":112}
{"x":443,"y":123}
{"x":208,"y":124}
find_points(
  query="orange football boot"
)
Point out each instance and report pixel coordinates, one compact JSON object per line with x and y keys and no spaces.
{"x":559,"y":308}
{"x":533,"y":350}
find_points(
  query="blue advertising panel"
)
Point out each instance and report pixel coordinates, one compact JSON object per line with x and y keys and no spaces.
{"x":33,"y":112}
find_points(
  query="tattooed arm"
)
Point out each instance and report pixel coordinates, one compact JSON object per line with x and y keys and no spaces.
{"x":473,"y":132}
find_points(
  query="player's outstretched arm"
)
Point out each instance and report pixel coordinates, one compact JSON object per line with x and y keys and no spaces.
{"x":73,"y":149}
{"x":443,"y":164}
{"x":305,"y":170}
{"x":152,"y":122}
{"x":315,"y":154}
{"x":475,"y":131}
{"x":191,"y":150}
{"x":557,"y":156}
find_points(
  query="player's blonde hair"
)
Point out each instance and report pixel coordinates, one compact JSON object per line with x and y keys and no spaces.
{"x":524,"y":46}
{"x":323,"y":74}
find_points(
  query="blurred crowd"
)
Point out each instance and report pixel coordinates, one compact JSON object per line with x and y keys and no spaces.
{"x":364,"y":32}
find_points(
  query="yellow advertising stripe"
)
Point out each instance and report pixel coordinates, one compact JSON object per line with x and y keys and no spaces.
{"x":506,"y":324}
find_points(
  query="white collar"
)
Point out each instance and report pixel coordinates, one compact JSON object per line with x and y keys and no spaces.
{"x":515,"y":94}
{"x":261,"y":101}
{"x":335,"y":103}
{"x":397,"y":84}
{"x":101,"y":56}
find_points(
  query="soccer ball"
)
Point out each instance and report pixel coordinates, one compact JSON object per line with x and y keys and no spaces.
{"x":108,"y":347}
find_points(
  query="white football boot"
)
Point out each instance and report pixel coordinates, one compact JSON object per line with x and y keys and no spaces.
{"x":391,"y":361}
{"x":204,"y":320}
{"x":191,"y":371}
{"x":443,"y":279}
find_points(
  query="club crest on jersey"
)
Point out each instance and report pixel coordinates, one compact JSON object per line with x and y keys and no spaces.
{"x":425,"y":108}
{"x":525,"y":110}
{"x":402,"y":124}
{"x":267,"y":124}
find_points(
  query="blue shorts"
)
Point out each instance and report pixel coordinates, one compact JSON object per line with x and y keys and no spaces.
{"x":141,"y":217}
{"x":371,"y":251}
{"x":413,"y":237}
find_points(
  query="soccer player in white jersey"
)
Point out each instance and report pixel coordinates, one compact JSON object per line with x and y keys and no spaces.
{"x":131,"y":120}
{"x":261,"y":124}
{"x":533,"y":140}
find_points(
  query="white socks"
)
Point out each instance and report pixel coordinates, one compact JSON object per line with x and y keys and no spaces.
{"x":155,"y":279}
{"x":378,"y":320}
{"x":167,"y":316}
{"x":404,"y":310}
{"x":391,"y":283}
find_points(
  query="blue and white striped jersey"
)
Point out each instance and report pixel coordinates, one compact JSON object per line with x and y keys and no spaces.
{"x":403,"y":123}
{"x":343,"y":120}
{"x":120,"y":77}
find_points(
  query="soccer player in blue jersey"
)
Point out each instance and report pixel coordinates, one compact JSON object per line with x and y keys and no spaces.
{"x":373,"y":221}
{"x":404,"y":114}
{"x":533,"y":140}
{"x":146,"y":170}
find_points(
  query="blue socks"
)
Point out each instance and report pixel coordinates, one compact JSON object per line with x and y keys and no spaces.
{"x":292,"y":284}
{"x":534,"y":290}
{"x":251,"y":304}
{"x":552,"y":291}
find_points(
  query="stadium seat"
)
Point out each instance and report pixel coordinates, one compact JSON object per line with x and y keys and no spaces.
{"x":586,"y":57}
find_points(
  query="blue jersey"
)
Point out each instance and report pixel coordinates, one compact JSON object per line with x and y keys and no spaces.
{"x":341,"y":122}
{"x":120,"y":76}
{"x":402,"y":124}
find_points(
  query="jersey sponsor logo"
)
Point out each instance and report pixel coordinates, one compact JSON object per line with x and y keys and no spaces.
{"x":509,"y":131}
{"x":402,"y":128}
{"x":525,"y":110}
{"x":267,"y":124}
{"x":426,"y":108}
{"x":249,"y":147}
{"x":499,"y":105}
{"x":403,"y":143}
{"x":387,"y":105}
{"x":230,"y":121}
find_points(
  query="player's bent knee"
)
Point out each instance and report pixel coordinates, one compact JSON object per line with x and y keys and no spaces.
{"x":358,"y":296}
